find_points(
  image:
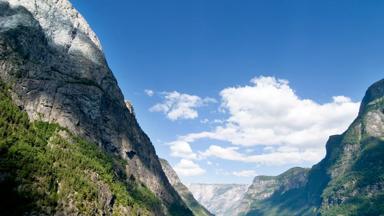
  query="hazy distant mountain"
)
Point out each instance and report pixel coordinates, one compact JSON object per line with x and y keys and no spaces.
{"x":220,"y":199}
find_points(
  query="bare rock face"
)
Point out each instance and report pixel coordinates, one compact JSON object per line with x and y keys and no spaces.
{"x":64,"y":27}
{"x":57,"y":71}
{"x":373,"y":97}
{"x":263,"y":187}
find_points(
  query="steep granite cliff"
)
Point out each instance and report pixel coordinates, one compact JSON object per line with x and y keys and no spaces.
{"x":186,"y":195}
{"x":56,"y":72}
{"x":348,"y":181}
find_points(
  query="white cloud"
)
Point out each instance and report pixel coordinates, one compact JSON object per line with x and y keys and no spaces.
{"x":245,"y":173}
{"x":280,"y":156}
{"x":180,"y":106}
{"x":149,"y":92}
{"x":182,"y":149}
{"x":268,"y":113}
{"x":188,"y":168}
{"x":218,"y":121}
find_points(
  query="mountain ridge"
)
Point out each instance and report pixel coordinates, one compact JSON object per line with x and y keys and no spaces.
{"x":57,"y":73}
{"x":220,"y":199}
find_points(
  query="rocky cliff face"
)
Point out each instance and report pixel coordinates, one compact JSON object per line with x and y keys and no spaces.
{"x":57,"y":72}
{"x":348,"y":181}
{"x":220,"y":199}
{"x":186,"y":195}
{"x":264,"y":187}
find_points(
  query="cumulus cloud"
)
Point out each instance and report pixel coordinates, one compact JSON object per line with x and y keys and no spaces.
{"x":268,"y":113}
{"x":245,"y":173}
{"x":177,"y":105}
{"x":279,"y":156}
{"x":188,"y":168}
{"x":149,"y":92}
{"x":182,"y":149}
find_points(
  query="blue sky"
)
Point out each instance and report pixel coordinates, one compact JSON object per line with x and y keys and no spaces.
{"x":209,"y":63}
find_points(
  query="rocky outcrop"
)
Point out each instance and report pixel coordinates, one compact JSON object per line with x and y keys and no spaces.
{"x":348,"y":181}
{"x":186,"y":195}
{"x":55,"y":67}
{"x":220,"y":199}
{"x":263,"y":187}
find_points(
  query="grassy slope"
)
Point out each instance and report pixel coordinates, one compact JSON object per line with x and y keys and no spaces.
{"x":43,"y":167}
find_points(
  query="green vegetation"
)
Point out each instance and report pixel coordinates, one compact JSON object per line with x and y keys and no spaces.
{"x":45,"y":169}
{"x":365,"y":181}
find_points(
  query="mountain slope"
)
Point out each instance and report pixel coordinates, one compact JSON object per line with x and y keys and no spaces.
{"x":263,"y":187}
{"x":47,"y":170}
{"x":220,"y":199}
{"x":57,"y":73}
{"x":350,"y":179}
{"x":186,"y":195}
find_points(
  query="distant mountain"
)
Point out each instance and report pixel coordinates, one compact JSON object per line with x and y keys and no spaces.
{"x":69,"y":144}
{"x":186,"y":195}
{"x":220,"y":199}
{"x":348,"y":181}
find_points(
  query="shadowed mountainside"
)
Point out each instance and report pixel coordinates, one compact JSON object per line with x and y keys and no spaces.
{"x":186,"y":195}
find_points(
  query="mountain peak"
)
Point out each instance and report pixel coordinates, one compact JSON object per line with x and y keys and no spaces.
{"x":59,"y":18}
{"x":64,"y":27}
{"x":373,"y":96}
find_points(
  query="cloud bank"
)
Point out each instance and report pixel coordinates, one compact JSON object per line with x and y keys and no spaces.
{"x":245,"y":173}
{"x":188,"y":168}
{"x":182,"y":149}
{"x":268,"y":114}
